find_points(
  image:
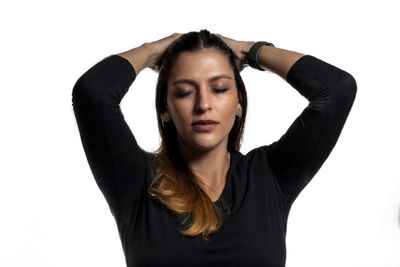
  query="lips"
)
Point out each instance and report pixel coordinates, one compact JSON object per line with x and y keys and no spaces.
{"x":204,"y":126}
{"x":204,"y":122}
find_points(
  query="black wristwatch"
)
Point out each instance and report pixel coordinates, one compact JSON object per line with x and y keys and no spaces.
{"x":252,"y":56}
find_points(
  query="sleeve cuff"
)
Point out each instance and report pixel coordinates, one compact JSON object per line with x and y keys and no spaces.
{"x":126,"y":64}
{"x":296,"y":65}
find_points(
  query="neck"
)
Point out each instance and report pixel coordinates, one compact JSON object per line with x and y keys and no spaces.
{"x":210,"y":165}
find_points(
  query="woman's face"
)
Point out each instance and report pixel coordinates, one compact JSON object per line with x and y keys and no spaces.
{"x":202,"y":86}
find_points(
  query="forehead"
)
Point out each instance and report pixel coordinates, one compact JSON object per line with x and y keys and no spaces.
{"x":200,"y":65}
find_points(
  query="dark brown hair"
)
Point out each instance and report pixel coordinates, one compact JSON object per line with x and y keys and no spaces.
{"x":175,"y":185}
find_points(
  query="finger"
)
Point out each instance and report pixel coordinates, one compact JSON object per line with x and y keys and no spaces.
{"x":222,"y":37}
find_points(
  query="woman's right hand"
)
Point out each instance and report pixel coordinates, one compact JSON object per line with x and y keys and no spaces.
{"x":159,"y":47}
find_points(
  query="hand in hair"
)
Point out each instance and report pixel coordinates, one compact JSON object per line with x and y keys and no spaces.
{"x":239,"y":48}
{"x":160,"y":46}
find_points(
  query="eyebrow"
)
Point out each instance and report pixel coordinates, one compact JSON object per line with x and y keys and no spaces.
{"x":209,"y":80}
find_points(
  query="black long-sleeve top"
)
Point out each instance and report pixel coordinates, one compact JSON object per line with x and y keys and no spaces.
{"x":260,"y":186}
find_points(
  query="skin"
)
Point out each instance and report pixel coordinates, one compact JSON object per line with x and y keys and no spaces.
{"x":205,"y":152}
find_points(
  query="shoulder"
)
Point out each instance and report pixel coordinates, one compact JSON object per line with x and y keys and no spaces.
{"x":256,"y":157}
{"x":258,"y":153}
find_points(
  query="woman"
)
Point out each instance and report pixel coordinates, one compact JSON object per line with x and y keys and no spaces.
{"x":233,"y":207}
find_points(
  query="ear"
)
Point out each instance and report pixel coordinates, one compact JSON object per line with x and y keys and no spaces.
{"x":238,"y":103}
{"x":165,"y":109}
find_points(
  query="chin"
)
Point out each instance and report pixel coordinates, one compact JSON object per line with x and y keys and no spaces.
{"x":204,"y":147}
{"x":205,"y":143}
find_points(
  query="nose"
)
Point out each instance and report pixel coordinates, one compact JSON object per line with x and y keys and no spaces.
{"x":203,"y":101}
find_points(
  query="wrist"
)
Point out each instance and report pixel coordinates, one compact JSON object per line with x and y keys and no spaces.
{"x":246,"y":47}
{"x":152,"y":54}
{"x":244,"y":50}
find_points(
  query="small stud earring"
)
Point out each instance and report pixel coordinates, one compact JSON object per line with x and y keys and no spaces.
{"x":239,"y":112}
{"x":166,"y":117}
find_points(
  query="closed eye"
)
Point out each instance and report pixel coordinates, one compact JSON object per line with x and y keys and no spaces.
{"x":183,"y":94}
{"x":220,"y":90}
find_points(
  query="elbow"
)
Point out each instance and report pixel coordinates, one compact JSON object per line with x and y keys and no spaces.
{"x":85,"y":91}
{"x":79,"y":91}
{"x":349,"y":86}
{"x":345,"y":91}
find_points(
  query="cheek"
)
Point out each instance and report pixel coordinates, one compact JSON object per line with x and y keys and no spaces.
{"x":228,"y":115}
{"x":230,"y":108}
{"x":180,"y":112}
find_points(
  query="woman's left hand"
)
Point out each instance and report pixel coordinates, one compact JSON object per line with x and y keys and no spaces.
{"x":239,"y":48}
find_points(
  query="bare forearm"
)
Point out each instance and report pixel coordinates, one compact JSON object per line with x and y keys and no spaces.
{"x":140,"y":57}
{"x":276,"y":59}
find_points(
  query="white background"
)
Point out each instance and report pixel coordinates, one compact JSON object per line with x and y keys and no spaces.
{"x":52,"y":212}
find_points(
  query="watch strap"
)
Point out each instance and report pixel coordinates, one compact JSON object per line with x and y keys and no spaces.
{"x":254,"y":51}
